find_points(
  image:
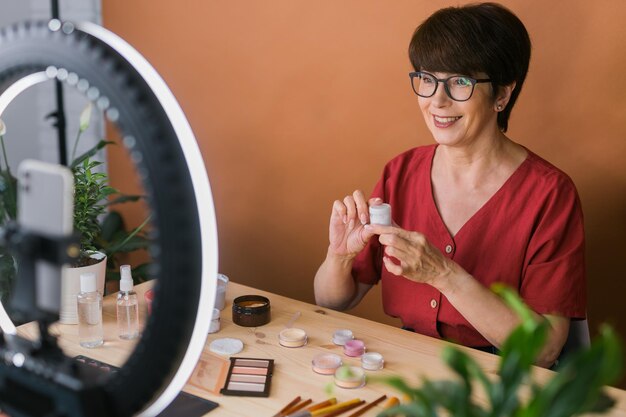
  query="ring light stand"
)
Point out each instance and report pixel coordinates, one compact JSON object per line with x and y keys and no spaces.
{"x":121,"y":83}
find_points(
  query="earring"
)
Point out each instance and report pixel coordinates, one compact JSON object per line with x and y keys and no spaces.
{"x":499,"y":107}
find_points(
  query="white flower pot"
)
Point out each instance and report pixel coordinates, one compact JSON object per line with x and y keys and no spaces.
{"x":70,"y":286}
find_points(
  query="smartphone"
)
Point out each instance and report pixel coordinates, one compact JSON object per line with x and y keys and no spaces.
{"x":45,"y":206}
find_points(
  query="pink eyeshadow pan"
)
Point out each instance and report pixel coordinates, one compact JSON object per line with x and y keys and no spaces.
{"x":259,"y":379}
{"x":249,"y":370}
{"x":246,"y":386}
{"x":252,"y":362}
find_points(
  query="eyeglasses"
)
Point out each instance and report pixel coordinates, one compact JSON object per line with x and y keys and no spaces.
{"x":457,"y":87}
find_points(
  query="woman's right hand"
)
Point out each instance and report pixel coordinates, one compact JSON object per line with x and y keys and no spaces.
{"x":347,"y":234}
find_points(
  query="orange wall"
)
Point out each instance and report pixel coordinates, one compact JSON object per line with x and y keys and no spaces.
{"x":297,"y":103}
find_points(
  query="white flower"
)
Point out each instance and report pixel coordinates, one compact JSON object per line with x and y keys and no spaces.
{"x":3,"y":128}
{"x":85,"y":116}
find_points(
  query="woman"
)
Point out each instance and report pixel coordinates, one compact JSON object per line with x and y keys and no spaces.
{"x":473,"y":209}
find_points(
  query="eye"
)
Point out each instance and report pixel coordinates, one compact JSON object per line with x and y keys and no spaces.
{"x":427,"y":79}
{"x":461,"y":82}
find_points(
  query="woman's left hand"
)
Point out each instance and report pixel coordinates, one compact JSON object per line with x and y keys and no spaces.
{"x":415,"y":257}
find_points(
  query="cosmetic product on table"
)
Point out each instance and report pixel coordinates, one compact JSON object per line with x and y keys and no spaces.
{"x":354,"y":348}
{"x":292,"y":337}
{"x":184,"y":404}
{"x":249,"y":377}
{"x":368,"y":407}
{"x":391,"y":402}
{"x":372,"y":361}
{"x":214,"y":326}
{"x":127,"y":306}
{"x":345,"y":410}
{"x":89,"y":308}
{"x":326,"y":410}
{"x":326,"y":363}
{"x":298,"y":407}
{"x":349,"y":377}
{"x":220,"y":291}
{"x":341,"y":336}
{"x":251,"y":310}
{"x":284,"y":411}
{"x":226,"y":346}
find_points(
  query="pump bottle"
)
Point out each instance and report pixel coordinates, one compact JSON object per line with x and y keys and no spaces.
{"x":89,"y":306}
{"x":127,"y":306}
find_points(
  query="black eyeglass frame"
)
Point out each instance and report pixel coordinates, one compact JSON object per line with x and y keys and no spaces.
{"x":474,"y":81}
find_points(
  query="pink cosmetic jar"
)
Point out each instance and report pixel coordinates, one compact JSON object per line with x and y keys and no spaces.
{"x":354,"y":348}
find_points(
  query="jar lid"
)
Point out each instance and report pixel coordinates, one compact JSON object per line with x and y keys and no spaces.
{"x":222,"y":280}
{"x":372,"y":361}
{"x":327,"y":361}
{"x":292,"y":335}
{"x":354,"y":344}
{"x":251,"y":304}
{"x":341,"y":336}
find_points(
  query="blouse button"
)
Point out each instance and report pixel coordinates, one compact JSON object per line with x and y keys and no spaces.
{"x":433,"y":303}
{"x":448,"y":248}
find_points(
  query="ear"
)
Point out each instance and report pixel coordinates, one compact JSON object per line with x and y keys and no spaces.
{"x":503,"y":96}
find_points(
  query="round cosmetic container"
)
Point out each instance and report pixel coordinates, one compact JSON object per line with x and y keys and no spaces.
{"x":354,"y":348}
{"x":220,"y":291}
{"x":341,"y":336}
{"x":251,"y":310}
{"x":292,"y":338}
{"x":349,"y":377}
{"x":214,"y":326}
{"x":380,"y":214}
{"x":372,"y":361}
{"x":149,"y":296}
{"x":326,"y":363}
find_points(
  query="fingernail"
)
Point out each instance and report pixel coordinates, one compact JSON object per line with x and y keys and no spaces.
{"x":378,"y":200}
{"x":367,"y":227}
{"x":351,"y":224}
{"x":345,"y":219}
{"x":363,"y":218}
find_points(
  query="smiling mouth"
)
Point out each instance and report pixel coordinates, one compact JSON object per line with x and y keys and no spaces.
{"x":445,"y":121}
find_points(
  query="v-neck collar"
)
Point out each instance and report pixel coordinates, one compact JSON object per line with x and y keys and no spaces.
{"x":484,"y":208}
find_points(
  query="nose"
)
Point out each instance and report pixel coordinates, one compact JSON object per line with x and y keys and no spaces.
{"x":440,"y":98}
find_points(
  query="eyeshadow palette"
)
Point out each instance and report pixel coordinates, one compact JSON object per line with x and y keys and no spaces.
{"x":249,"y":377}
{"x":184,"y":404}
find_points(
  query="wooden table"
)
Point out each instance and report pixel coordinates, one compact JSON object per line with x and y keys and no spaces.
{"x":408,"y":354}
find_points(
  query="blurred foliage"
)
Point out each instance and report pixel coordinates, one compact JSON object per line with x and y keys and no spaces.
{"x":576,"y":388}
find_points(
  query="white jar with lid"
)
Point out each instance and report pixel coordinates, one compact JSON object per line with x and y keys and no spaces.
{"x":214,"y":327}
{"x":220,"y":291}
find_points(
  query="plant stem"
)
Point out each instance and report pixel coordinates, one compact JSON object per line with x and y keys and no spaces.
{"x":76,"y":145}
{"x":6,"y":161}
{"x":4,"y":153}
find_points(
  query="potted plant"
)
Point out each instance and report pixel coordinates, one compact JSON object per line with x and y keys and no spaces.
{"x":576,"y":388}
{"x":103,"y":234}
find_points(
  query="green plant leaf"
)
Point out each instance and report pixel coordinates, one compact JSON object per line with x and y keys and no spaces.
{"x":91,"y":152}
{"x":576,"y":388}
{"x":111,"y":224}
{"x":125,"y":198}
{"x":8,"y":196}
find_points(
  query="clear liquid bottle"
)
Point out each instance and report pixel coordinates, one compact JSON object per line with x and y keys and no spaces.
{"x":127,"y":306}
{"x":89,"y":301}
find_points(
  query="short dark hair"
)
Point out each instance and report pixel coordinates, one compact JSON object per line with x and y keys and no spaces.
{"x":485,"y":37}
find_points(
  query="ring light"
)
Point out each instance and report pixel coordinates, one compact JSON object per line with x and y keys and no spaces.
{"x":129,"y":91}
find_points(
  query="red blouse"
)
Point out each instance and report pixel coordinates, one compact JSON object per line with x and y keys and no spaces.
{"x":529,"y":235}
